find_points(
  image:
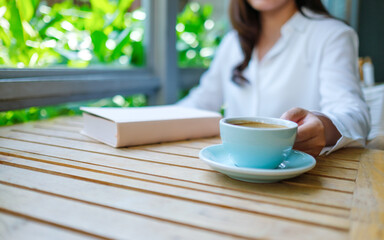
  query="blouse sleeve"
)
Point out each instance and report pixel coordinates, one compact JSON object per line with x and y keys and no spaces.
{"x":341,"y":96}
{"x":208,"y":94}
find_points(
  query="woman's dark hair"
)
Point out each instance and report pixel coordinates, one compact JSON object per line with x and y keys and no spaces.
{"x":246,"y":21}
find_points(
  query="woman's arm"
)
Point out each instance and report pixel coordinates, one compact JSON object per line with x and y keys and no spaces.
{"x":315,"y":130}
{"x":209,"y":93}
{"x":344,"y":118}
{"x":341,"y":96}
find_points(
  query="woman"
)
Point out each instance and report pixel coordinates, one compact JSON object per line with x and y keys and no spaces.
{"x":289,"y":59}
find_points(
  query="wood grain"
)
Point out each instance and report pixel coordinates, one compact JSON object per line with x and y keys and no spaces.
{"x":367,"y":215}
{"x":114,"y":169}
{"x":96,"y":220}
{"x":187,"y":196}
{"x":16,"y":226}
{"x":199,"y":175}
{"x":121,"y":196}
{"x":57,"y":183}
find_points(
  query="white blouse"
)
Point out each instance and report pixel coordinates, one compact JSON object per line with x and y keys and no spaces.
{"x":313,"y":66}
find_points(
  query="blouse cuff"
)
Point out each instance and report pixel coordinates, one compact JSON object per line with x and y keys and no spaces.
{"x":343,"y":140}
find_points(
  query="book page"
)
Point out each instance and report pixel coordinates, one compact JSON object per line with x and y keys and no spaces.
{"x":157,"y":113}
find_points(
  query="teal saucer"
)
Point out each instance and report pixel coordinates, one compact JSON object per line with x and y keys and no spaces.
{"x":218,"y":159}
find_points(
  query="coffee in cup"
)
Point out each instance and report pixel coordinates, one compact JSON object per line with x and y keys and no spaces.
{"x":257,"y":142}
{"x":254,"y":124}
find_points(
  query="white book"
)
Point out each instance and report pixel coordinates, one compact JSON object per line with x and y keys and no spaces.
{"x":120,"y":127}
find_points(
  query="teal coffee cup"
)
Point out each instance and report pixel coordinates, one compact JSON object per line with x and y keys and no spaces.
{"x":257,"y":142}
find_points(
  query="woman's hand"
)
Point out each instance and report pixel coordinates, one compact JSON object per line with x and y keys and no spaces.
{"x":315,"y":130}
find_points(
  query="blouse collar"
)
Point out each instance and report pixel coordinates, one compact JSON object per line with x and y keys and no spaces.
{"x":299,"y":21}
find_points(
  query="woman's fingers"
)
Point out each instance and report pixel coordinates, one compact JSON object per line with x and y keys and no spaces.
{"x":295,"y":114}
{"x":312,"y":146}
{"x":310,"y":128}
{"x":310,"y":133}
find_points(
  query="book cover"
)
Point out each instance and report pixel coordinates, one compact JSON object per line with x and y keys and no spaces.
{"x":120,"y":127}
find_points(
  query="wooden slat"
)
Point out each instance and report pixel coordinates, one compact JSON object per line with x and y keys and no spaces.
{"x":107,"y":150}
{"x":331,"y":162}
{"x":54,"y":133}
{"x":55,"y":126}
{"x":49,"y":163}
{"x":171,"y":148}
{"x":228,"y":219}
{"x":324,"y":167}
{"x":188,"y":148}
{"x":367,"y":216}
{"x":46,"y":131}
{"x":347,"y":154}
{"x":182,"y":183}
{"x":188,"y":195}
{"x":70,"y":121}
{"x":195,"y":143}
{"x":336,"y":173}
{"x":329,"y":169}
{"x":313,"y":181}
{"x":335,"y":184}
{"x":212,"y":140}
{"x":77,"y":118}
{"x":297,"y":193}
{"x":182,"y":148}
{"x":96,"y":220}
{"x":16,"y":226}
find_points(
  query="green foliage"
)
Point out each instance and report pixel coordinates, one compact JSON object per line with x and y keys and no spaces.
{"x":198,"y":35}
{"x":33,"y":34}
{"x":103,"y":32}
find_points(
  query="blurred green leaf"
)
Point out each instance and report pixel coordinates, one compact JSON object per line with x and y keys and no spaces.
{"x":5,"y":38}
{"x":123,"y":5}
{"x":137,"y":54}
{"x":103,"y":6}
{"x":42,"y":30}
{"x":207,"y":10}
{"x":26,"y":9}
{"x":35,"y":3}
{"x":121,"y":41}
{"x":122,"y":8}
{"x":77,"y":63}
{"x":15,"y":23}
{"x":99,"y":39}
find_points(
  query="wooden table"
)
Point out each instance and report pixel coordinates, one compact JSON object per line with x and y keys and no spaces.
{"x":58,"y":184}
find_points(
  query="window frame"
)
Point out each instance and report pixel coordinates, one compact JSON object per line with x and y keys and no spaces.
{"x":351,"y":14}
{"x":160,"y":80}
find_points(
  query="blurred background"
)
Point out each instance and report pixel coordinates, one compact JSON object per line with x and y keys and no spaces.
{"x":58,"y":55}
